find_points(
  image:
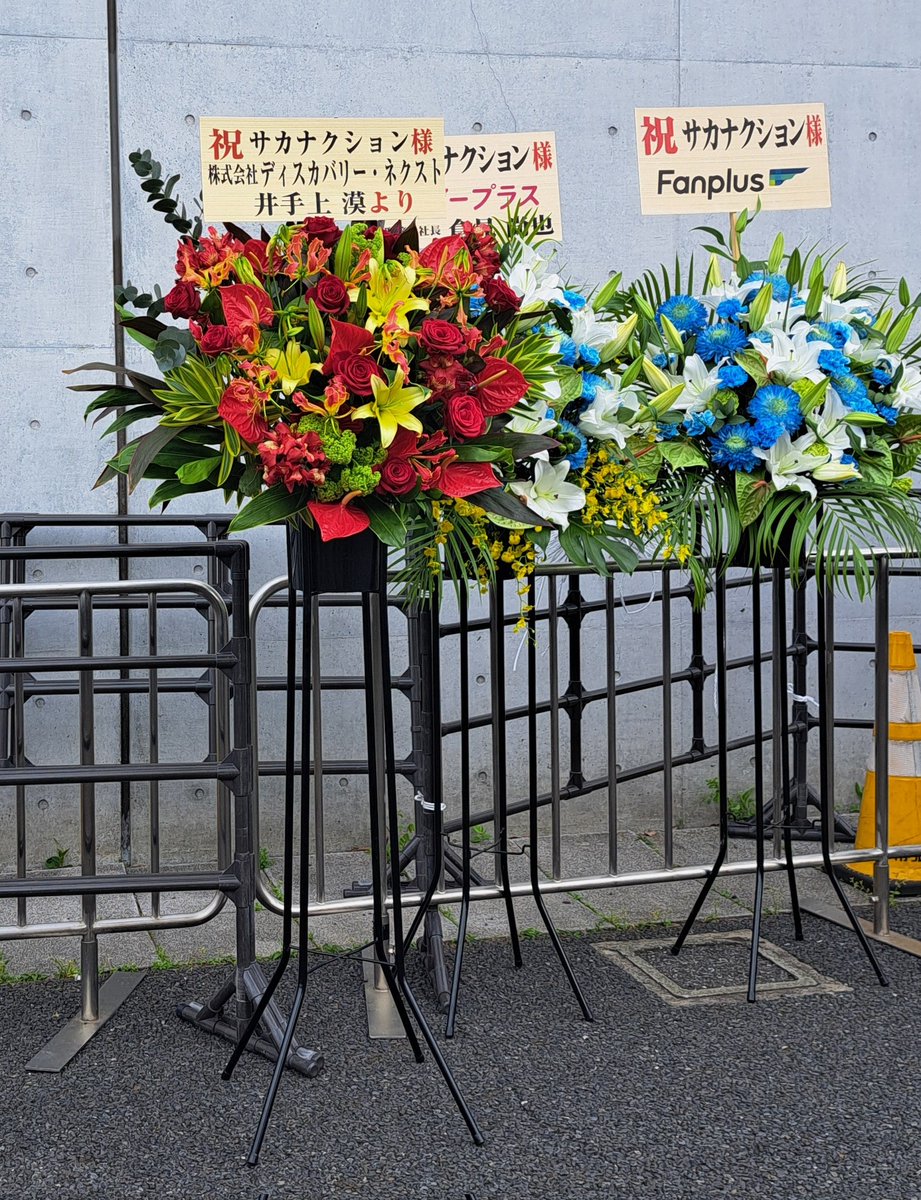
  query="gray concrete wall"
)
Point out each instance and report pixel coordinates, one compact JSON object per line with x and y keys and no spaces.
{"x":578,"y":68}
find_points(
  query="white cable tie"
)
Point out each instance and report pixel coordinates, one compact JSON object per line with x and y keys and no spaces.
{"x":429,"y":805}
{"x":810,"y":700}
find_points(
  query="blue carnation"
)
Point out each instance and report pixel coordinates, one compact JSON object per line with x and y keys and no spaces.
{"x":685,"y":312}
{"x":698,"y":423}
{"x":477,"y":306}
{"x":590,"y":384}
{"x":766,"y":431}
{"x":720,"y":341}
{"x":569,"y":351}
{"x":888,"y":413}
{"x":882,"y":376}
{"x":589,"y":355}
{"x":660,"y":360}
{"x":728,"y":310}
{"x":780,"y":287}
{"x":732,"y":448}
{"x":732,"y":376}
{"x":573,"y":299}
{"x":853,"y":392}
{"x":777,"y":404}
{"x":833,"y":362}
{"x":761,"y":335}
{"x":576,"y":458}
{"x":849,"y":460}
{"x":835,"y":333}
{"x":665,"y":432}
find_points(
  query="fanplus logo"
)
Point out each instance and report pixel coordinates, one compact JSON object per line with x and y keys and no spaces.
{"x":780,"y":175}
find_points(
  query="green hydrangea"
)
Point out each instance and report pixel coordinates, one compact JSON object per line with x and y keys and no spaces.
{"x":359,"y":479}
{"x":338,"y":444}
{"x":330,"y":491}
{"x":369,"y":456}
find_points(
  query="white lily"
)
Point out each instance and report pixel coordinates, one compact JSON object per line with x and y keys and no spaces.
{"x":843,"y":310}
{"x":831,"y":428}
{"x":532,"y":419}
{"x":790,"y":356}
{"x":788,"y":464}
{"x":781,"y":315}
{"x":701,"y":383}
{"x":549,"y":495}
{"x":588,"y":329}
{"x":836,"y":471}
{"x":733,"y":290}
{"x":612,"y":415}
{"x":533,"y":279}
{"x":907,"y":394}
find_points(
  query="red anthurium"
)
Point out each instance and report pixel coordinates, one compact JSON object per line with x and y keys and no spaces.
{"x":246,"y":307}
{"x":338,"y":520}
{"x":500,"y":386}
{"x":346,"y":339}
{"x":460,"y":479}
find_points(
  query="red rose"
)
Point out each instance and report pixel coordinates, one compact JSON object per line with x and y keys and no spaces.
{"x":329,"y":295}
{"x":391,"y":237}
{"x":347,"y":339}
{"x":500,"y":386}
{"x":242,"y":406}
{"x":356,"y":372}
{"x":398,"y":477}
{"x":183,"y":300}
{"x":463,"y":416}
{"x":441,"y":337}
{"x":324,"y":229}
{"x":500,"y":297}
{"x":215,"y":340}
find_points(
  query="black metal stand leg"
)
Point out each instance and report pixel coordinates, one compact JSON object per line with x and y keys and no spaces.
{"x":532,"y":808}
{"x":500,"y":774}
{"x":268,"y":991}
{"x":722,"y":772}
{"x":757,"y":716}
{"x":304,"y":888}
{"x":781,"y":748}
{"x":430,"y":640}
{"x":826,"y":644}
{"x":464,"y":668}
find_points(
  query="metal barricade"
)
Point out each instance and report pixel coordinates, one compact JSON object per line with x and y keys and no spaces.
{"x":222,"y":665}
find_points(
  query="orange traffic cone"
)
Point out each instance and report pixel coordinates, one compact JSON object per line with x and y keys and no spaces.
{"x":904,"y":772}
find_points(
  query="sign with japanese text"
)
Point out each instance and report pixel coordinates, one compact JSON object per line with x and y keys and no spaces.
{"x":491,"y":174}
{"x":351,"y":170}
{"x":699,"y":160}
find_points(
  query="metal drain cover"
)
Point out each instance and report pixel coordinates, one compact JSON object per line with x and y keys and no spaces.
{"x":691,"y":977}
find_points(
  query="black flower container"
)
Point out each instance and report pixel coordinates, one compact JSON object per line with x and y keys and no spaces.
{"x":351,"y":564}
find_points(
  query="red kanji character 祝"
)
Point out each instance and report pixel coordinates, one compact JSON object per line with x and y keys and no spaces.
{"x":659,"y":134}
{"x":226,"y":143}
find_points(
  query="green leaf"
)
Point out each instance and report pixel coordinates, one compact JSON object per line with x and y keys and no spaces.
{"x":275,"y":504}
{"x":752,"y":362}
{"x":752,"y":493}
{"x":683,"y":455}
{"x":316,"y":326}
{"x":570,"y":383}
{"x":250,"y":483}
{"x":146,"y":450}
{"x":388,"y":523}
{"x":505,"y":504}
{"x":199,"y":469}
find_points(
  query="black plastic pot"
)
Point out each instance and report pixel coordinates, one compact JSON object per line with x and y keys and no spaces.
{"x":352,"y":564}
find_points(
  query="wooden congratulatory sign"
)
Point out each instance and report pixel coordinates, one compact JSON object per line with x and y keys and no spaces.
{"x":491,"y":174}
{"x":271,"y":170}
{"x":699,"y":160}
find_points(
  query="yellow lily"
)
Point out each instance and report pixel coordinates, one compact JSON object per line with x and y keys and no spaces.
{"x":389,"y":292}
{"x":391,"y":406}
{"x":293,"y":364}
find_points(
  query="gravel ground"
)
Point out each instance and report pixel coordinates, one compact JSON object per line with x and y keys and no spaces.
{"x":803,"y":1097}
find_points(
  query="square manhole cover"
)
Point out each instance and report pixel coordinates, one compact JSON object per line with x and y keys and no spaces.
{"x":700,"y":974}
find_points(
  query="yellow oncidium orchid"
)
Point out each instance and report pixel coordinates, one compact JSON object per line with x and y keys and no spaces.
{"x":391,"y":406}
{"x":389,"y":292}
{"x":293,"y":364}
